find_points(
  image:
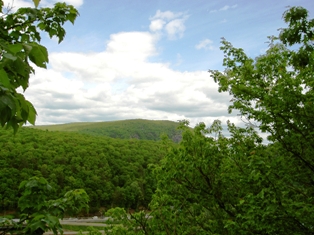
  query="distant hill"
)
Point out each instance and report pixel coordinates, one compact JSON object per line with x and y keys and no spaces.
{"x":126,"y":129}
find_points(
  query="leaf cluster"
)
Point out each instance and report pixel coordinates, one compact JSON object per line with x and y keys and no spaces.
{"x":20,"y":48}
{"x":39,"y":215}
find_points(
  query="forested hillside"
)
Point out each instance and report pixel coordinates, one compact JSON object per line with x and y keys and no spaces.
{"x":113,"y":172}
{"x":206,"y":184}
{"x":124,"y":129}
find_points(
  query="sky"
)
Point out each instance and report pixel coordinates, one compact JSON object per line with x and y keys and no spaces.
{"x":148,"y":59}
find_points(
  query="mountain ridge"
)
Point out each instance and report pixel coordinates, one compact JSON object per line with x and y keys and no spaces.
{"x":142,"y":129}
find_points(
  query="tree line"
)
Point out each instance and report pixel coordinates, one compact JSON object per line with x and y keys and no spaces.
{"x":123,"y":129}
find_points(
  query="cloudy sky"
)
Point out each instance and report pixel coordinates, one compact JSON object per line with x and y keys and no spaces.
{"x":127,"y":59}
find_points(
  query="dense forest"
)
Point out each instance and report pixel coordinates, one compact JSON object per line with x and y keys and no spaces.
{"x":124,"y":129}
{"x":114,"y":172}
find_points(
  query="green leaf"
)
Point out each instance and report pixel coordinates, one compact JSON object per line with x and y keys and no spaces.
{"x":27,"y":47}
{"x":9,"y":102}
{"x":37,"y":225}
{"x":32,"y":114}
{"x":4,"y":80}
{"x":23,"y":70}
{"x":39,"y":55}
{"x":9,"y":56}
{"x":36,"y":2}
{"x":14,"y":48}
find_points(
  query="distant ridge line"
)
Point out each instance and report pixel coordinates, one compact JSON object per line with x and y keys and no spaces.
{"x":142,"y":129}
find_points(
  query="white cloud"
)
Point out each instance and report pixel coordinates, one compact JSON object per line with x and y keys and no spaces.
{"x":120,"y":83}
{"x":156,"y":25}
{"x":169,"y":22}
{"x":125,"y":57}
{"x":175,"y":29}
{"x":17,"y":4}
{"x":224,"y":8}
{"x":132,"y":45}
{"x":167,"y":15}
{"x":205,"y":44}
{"x":43,"y":3}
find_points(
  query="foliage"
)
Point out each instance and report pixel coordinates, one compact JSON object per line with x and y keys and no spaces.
{"x":38,"y":213}
{"x":203,"y":182}
{"x":211,"y":184}
{"x":276,"y":90}
{"x":124,"y":129}
{"x":120,"y":222}
{"x":20,"y":48}
{"x":219,"y":185}
{"x":113,"y":172}
{"x":79,"y":227}
{"x":91,"y":231}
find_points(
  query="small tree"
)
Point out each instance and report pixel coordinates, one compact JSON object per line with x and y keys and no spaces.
{"x":38,"y":214}
{"x":19,"y":45}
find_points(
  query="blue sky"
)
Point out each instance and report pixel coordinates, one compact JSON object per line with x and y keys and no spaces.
{"x":148,"y":59}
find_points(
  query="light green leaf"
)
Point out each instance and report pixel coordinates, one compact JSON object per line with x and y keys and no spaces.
{"x":36,"y":2}
{"x":9,"y":56}
{"x":27,"y":47}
